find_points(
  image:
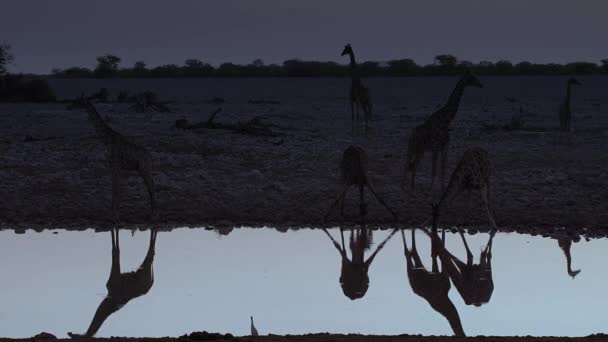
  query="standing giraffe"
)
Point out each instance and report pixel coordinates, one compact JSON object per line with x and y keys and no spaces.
{"x":434,"y":134}
{"x":433,"y":286}
{"x":359,"y":96}
{"x":353,"y":170}
{"x":123,"y":287}
{"x":354,"y":278}
{"x":472,"y":173}
{"x":124,"y":156}
{"x":565,"y":111}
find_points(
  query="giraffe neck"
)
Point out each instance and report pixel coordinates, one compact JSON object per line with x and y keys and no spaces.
{"x":104,"y":132}
{"x":453,"y":103}
{"x":565,"y":246}
{"x":354,"y":73}
{"x":568,"y":94}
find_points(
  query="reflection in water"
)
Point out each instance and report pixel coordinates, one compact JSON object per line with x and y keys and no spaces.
{"x":433,"y":286}
{"x":565,"y":243}
{"x":122,"y":287}
{"x":354,"y":277}
{"x":473,"y":281}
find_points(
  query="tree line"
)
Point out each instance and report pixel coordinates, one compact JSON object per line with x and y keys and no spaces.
{"x":109,"y":66}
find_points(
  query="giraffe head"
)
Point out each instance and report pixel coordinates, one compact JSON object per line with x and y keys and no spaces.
{"x":470,"y":80}
{"x":573,"y":81}
{"x":347,"y":50}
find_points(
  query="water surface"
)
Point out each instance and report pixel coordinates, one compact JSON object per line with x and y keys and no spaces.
{"x":290,"y":283}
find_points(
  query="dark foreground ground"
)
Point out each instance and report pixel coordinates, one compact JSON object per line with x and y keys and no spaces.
{"x":54,"y":172}
{"x":338,"y":338}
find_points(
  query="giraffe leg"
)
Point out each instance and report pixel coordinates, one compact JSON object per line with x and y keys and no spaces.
{"x":338,"y":199}
{"x":342,"y":208}
{"x":371,"y":188}
{"x":485,"y":195}
{"x":417,"y":261}
{"x":115,"y":194}
{"x":434,"y":169}
{"x":352,"y":111}
{"x":362,"y":207}
{"x":466,"y":246}
{"x":149,"y":182}
{"x":444,"y":162}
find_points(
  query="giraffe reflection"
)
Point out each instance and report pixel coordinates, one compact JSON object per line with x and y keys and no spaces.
{"x":354,"y":278}
{"x":433,"y":286}
{"x":122,"y":287}
{"x":565,"y":243}
{"x":474,"y":282}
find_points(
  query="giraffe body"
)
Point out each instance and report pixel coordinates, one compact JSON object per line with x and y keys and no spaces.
{"x":434,"y":134}
{"x":123,"y":156}
{"x":353,"y":171}
{"x":434,"y":285}
{"x":472,"y":173}
{"x":360,"y":97}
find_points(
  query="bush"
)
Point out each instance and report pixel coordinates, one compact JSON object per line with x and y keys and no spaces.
{"x":16,"y":88}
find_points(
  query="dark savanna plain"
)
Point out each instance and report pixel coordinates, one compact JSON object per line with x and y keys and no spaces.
{"x":319,"y":171}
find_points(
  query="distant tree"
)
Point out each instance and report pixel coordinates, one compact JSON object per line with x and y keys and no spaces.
{"x":6,"y":57}
{"x":228,"y":70}
{"x":197,"y":68}
{"x":604,"y":65}
{"x":504,"y":67}
{"x":73,"y":72}
{"x":446,"y":61}
{"x":107,"y":66}
{"x":139,"y":66}
{"x":466,"y":65}
{"x":258,"y":63}
{"x":194,"y":63}
{"x":370,"y":68}
{"x":524,"y":68}
{"x":581,"y":68}
{"x":400,"y":67}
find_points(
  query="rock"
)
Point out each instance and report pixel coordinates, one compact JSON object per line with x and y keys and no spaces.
{"x":44,"y":336}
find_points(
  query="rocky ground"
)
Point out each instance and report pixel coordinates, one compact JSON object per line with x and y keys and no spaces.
{"x":54,"y":173}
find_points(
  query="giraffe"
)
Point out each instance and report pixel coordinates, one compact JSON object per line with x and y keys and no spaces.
{"x":354,"y":278}
{"x":565,"y":111}
{"x":474,"y":282}
{"x":434,"y":134}
{"x":124,"y":156}
{"x":360,"y":98}
{"x":122,"y":287}
{"x":472,"y":173}
{"x":254,"y":331}
{"x":353,"y":170}
{"x":565,"y":243}
{"x":432,"y":286}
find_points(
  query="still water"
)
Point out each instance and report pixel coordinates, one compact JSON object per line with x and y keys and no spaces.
{"x":196,"y":279}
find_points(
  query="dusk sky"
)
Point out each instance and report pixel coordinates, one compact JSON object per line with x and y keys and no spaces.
{"x":61,"y":33}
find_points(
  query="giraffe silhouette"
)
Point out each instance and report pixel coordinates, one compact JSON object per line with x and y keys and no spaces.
{"x":433,"y":286}
{"x":474,"y":282}
{"x":354,"y":278}
{"x":434,"y":134}
{"x":360,"y":98}
{"x":122,"y":287}
{"x":565,"y":243}
{"x":354,"y":172}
